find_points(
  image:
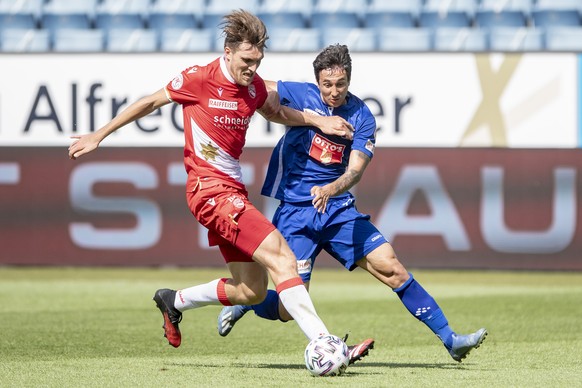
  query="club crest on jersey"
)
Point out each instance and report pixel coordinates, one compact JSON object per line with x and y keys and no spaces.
{"x":209,"y":152}
{"x":370,"y":146}
{"x":177,"y":82}
{"x":252,"y":91}
{"x":326,"y":151}
{"x":236,"y":201}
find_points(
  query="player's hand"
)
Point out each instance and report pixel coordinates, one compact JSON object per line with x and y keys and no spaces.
{"x":337,"y":126}
{"x":320,"y":197}
{"x":83,"y":145}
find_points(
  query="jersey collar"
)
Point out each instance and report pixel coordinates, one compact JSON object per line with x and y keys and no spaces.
{"x":225,"y":70}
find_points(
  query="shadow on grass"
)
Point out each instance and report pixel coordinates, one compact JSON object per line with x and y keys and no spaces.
{"x":352,"y":369}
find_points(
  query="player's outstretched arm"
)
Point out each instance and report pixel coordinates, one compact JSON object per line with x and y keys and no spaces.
{"x":356,"y":167}
{"x":142,"y":107}
{"x":272,"y":110}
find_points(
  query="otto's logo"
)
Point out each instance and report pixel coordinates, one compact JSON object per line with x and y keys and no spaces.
{"x":252,"y":91}
{"x":177,"y":82}
{"x":326,"y":151}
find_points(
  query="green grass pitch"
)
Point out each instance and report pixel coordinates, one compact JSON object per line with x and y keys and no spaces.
{"x":97,"y":327}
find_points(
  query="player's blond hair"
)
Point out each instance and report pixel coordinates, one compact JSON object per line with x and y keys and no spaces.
{"x":242,"y":26}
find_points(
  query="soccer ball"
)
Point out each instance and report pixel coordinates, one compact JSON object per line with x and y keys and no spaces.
{"x":327,"y":356}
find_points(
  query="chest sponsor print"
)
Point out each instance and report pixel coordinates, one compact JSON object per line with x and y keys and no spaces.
{"x":325,"y":150}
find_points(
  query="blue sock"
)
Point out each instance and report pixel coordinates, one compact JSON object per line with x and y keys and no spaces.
{"x":425,"y":309}
{"x":269,"y":308}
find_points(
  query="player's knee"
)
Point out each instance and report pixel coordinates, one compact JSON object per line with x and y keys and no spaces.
{"x":253,"y":293}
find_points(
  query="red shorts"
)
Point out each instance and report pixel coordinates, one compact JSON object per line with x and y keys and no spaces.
{"x":233,"y":222}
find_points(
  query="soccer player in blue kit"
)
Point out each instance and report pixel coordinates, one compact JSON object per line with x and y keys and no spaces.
{"x":311,"y":173}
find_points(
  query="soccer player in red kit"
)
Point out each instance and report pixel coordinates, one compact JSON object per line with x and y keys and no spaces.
{"x":218,"y":101}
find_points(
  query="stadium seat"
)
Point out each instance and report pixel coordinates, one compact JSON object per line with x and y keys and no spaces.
{"x":524,"y":6}
{"x":444,"y":6}
{"x":305,"y":7}
{"x":222,"y":7}
{"x":460,"y":39}
{"x":78,"y":40}
{"x":297,"y":39}
{"x":282,"y":20}
{"x":17,"y":21}
{"x":357,"y":39}
{"x":544,"y":18}
{"x":87,"y":7}
{"x":559,"y":4}
{"x":405,"y":39}
{"x":160,"y":21}
{"x":324,"y":20}
{"x":412,"y":6}
{"x":56,"y":21}
{"x":211,"y":21}
{"x":435,"y":19}
{"x":516,"y":39}
{"x":387,"y":19}
{"x":108,"y":21}
{"x":359,"y":7}
{"x":33,"y":7}
{"x":564,"y":39}
{"x":140,"y":7}
{"x":195,"y":7}
{"x":189,"y":40}
{"x":19,"y":40}
{"x":492,"y":19}
{"x":126,"y":40}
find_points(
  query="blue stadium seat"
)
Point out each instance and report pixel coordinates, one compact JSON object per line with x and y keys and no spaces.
{"x":524,"y":6}
{"x":126,"y":40}
{"x":386,"y":19}
{"x":559,"y":4}
{"x":432,"y":19}
{"x":444,"y":6}
{"x":140,"y":7}
{"x":160,"y":21}
{"x":405,"y":39}
{"x":19,"y":40}
{"x":324,"y":20}
{"x":564,"y":39}
{"x":357,"y":39}
{"x":195,"y":7}
{"x":544,"y":18}
{"x":359,"y":7}
{"x":22,"y":21}
{"x":87,"y":7}
{"x":506,"y":39}
{"x":78,"y":40}
{"x":56,"y":21}
{"x":305,"y":7}
{"x":412,"y":6}
{"x":222,"y":7}
{"x":460,"y":39}
{"x":297,"y":39}
{"x":282,"y":20}
{"x":491,"y":19}
{"x":108,"y":21}
{"x":211,"y":21}
{"x":33,"y":7}
{"x":189,"y":40}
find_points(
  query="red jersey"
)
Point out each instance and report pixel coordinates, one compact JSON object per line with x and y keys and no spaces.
{"x":217,"y":112}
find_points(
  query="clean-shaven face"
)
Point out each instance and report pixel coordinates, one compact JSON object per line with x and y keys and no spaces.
{"x":333,"y":86}
{"x":242,"y":63}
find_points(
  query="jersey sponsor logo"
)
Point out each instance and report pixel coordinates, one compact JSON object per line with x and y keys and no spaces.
{"x":227,"y":122}
{"x":304,"y":266}
{"x":316,"y":112}
{"x":177,"y":82}
{"x":325,"y":150}
{"x":222,"y":104}
{"x":252,"y":91}
{"x":376,"y":237}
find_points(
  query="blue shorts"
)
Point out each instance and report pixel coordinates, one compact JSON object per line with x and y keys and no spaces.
{"x":341,"y":231}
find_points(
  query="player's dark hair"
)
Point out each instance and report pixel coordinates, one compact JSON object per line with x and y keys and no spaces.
{"x":333,"y":56}
{"x":242,"y":26}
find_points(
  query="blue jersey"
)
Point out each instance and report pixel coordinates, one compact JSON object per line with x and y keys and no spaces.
{"x":305,"y":157}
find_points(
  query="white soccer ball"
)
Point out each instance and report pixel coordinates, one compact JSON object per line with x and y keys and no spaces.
{"x":327,"y":355}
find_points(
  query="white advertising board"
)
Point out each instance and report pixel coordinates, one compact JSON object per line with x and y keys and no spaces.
{"x":420,"y":100}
